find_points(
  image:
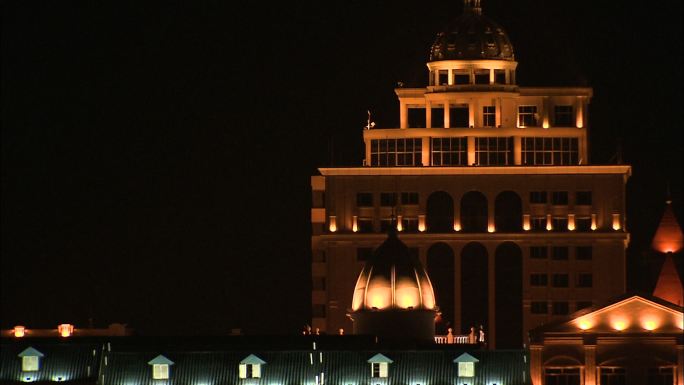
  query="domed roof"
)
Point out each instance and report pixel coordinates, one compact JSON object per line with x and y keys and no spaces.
{"x":393,"y":279}
{"x":472,"y":36}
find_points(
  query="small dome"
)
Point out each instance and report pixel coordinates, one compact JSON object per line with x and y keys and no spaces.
{"x":393,"y":279}
{"x":472,"y":36}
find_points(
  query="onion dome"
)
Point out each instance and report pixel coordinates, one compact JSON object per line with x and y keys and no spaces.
{"x":472,"y":36}
{"x":393,"y":279}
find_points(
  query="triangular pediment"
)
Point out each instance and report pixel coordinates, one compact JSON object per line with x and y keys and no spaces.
{"x":379,"y":358}
{"x":160,"y":360}
{"x":252,"y":360}
{"x":465,"y":357}
{"x":632,"y":314}
{"x":30,"y":352}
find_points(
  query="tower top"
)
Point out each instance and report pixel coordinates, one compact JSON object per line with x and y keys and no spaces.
{"x":668,"y":238}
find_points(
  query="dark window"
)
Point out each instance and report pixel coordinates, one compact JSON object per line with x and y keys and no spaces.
{"x":500,"y":76}
{"x":388,"y":199}
{"x":318,"y":283}
{"x":549,"y":151}
{"x":539,"y":252}
{"x":409,"y":198}
{"x":396,"y":152}
{"x":437,"y":117}
{"x":564,"y":116}
{"x":443,"y":77}
{"x":416,"y":117}
{"x":540,"y":308}
{"x":560,"y":308}
{"x":538,"y":196}
{"x":613,"y":376}
{"x":318,"y":311}
{"x":583,"y":304}
{"x":559,"y":198}
{"x":560,"y":223}
{"x":489,"y":116}
{"x":461,"y":78}
{"x":449,"y":151}
{"x":583,"y":223}
{"x":364,"y":253}
{"x":409,"y":224}
{"x":482,"y":77}
{"x":495,"y":151}
{"x":527,"y":116}
{"x":318,"y":256}
{"x":364,"y":199}
{"x":539,"y":279}
{"x":583,"y":253}
{"x":385,"y":223}
{"x":583,"y":198}
{"x":365,"y":225}
{"x":584,"y":280}
{"x":538,"y":223}
{"x":560,"y":253}
{"x":459,"y":116}
{"x":560,"y":280}
{"x":562,"y":376}
{"x":661,"y":376}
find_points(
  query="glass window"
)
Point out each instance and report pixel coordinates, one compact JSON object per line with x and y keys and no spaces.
{"x":560,"y":280}
{"x":560,"y":253}
{"x":560,"y":308}
{"x":538,"y":196}
{"x":449,"y":151}
{"x":396,"y":152}
{"x":409,"y":198}
{"x":160,"y":371}
{"x":564,"y":116}
{"x":364,"y":224}
{"x":661,"y":376}
{"x":364,"y":199}
{"x":409,"y":224}
{"x":250,"y":371}
{"x":549,"y":151}
{"x":379,"y":369}
{"x":560,"y":223}
{"x":538,"y":252}
{"x":584,"y":280}
{"x":583,"y":253}
{"x":527,"y":116}
{"x":559,"y":198}
{"x":489,"y":116}
{"x":539,"y":279}
{"x":538,"y":223}
{"x":562,"y":376}
{"x":29,"y":363}
{"x":583,"y":198}
{"x":582,"y":223}
{"x":613,"y":376}
{"x":466,"y":369}
{"x":493,"y":151}
{"x":388,"y":199}
{"x":539,"y":307}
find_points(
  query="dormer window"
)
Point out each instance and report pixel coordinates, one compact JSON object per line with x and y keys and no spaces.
{"x":250,"y":367}
{"x":30,"y":360}
{"x":160,"y":367}
{"x":379,"y":366}
{"x":466,"y":365}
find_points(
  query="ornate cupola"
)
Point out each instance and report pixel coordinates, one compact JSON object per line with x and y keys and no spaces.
{"x":473,"y":49}
{"x":393,"y":297}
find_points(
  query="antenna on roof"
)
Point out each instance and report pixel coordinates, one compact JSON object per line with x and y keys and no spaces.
{"x":369,"y":123}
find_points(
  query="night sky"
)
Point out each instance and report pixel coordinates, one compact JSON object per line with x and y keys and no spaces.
{"x":156,"y":157}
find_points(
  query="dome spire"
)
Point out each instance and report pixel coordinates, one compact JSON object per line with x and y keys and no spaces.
{"x":472,"y":6}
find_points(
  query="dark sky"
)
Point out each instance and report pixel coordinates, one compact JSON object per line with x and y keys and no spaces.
{"x":156,"y":156}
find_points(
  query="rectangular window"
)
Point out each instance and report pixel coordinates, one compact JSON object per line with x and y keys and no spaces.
{"x":482,"y":76}
{"x":250,"y":371}
{"x":562,"y":376}
{"x":584,"y":280}
{"x":409,"y":198}
{"x":489,"y":116}
{"x":416,"y":117}
{"x":437,"y":117}
{"x":583,"y":253}
{"x":364,"y":254}
{"x":564,"y":116}
{"x":461,"y":78}
{"x":318,"y":283}
{"x":494,"y":151}
{"x":537,"y":197}
{"x":443,"y":78}
{"x":459,"y":116}
{"x":583,"y":305}
{"x":449,"y":151}
{"x":379,"y":369}
{"x":560,"y":308}
{"x":613,"y":376}
{"x":466,"y":369}
{"x":559,"y":198}
{"x":560,"y":280}
{"x":539,"y":279}
{"x":582,"y":223}
{"x":385,"y":223}
{"x":364,"y":199}
{"x":160,"y":371}
{"x":409,"y":224}
{"x":538,"y":223}
{"x":365,"y":224}
{"x":29,"y":363}
{"x":560,"y":253}
{"x":388,"y":199}
{"x":661,"y":376}
{"x":318,"y":311}
{"x":583,"y":198}
{"x":539,"y":252}
{"x":527,"y":116}
{"x":539,"y":307}
{"x":560,"y":224}
{"x":396,"y":152}
{"x":500,"y":76}
{"x":549,"y":151}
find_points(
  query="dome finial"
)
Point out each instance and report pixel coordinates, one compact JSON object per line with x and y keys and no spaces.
{"x":472,"y":6}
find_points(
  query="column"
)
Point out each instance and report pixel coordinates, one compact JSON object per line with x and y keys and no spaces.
{"x":450,"y":81}
{"x":472,"y":107}
{"x":545,"y":112}
{"x":471,"y":74}
{"x":447,"y":115}
{"x":428,"y":114}
{"x":403,"y":114}
{"x":491,"y":76}
{"x":517,"y":150}
{"x":471,"y":150}
{"x":680,"y":365}
{"x":491,"y":223}
{"x":426,"y":151}
{"x":580,"y":112}
{"x":589,"y":364}
{"x":508,"y":76}
{"x":536,"y":364}
{"x":497,"y":106}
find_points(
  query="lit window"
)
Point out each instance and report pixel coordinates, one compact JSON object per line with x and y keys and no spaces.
{"x":29,"y":363}
{"x":250,"y":367}
{"x":466,"y":369}
{"x":379,"y":369}
{"x":160,"y":372}
{"x":527,"y":116}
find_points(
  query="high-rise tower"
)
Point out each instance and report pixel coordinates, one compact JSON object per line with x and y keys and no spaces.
{"x":493,"y":191}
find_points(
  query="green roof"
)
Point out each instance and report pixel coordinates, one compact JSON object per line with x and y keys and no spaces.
{"x":30,"y":352}
{"x":252,"y":360}
{"x":379,"y":358}
{"x":160,"y":360}
{"x":465,"y":357}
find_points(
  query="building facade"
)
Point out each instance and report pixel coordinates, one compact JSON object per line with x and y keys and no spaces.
{"x":492,"y":189}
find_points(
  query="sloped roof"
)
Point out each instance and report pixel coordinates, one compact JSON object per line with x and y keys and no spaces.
{"x":30,"y":352}
{"x":669,"y":285}
{"x":69,"y":359}
{"x":160,"y":360}
{"x":379,"y":358}
{"x":465,"y":357}
{"x":253,"y":360}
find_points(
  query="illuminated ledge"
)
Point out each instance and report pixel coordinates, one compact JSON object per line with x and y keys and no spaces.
{"x":479,"y":170}
{"x":527,"y":236}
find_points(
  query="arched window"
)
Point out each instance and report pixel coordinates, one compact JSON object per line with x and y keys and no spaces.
{"x":440,"y":213}
{"x":508,"y":212}
{"x":508,"y":294}
{"x":474,"y":286}
{"x":440,"y":267}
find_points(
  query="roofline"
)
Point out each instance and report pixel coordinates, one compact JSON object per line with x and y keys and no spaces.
{"x":478,"y":170}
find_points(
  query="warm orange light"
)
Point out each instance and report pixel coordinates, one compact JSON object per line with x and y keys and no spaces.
{"x":681,"y":323}
{"x":619,"y":324}
{"x":421,"y":223}
{"x":65,"y":330}
{"x":593,"y":222}
{"x":400,"y":227}
{"x":584,"y":324}
{"x":406,"y":295}
{"x":546,"y":123}
{"x":355,"y":224}
{"x":571,"y":222}
{"x":19,"y":331}
{"x":549,"y":223}
{"x":333,"y":224}
{"x":616,"y":221}
{"x":457,"y":226}
{"x":526,"y":222}
{"x":491,"y":228}
{"x":649,"y":324}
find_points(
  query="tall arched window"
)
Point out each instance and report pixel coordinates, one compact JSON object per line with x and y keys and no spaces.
{"x":440,"y":213}
{"x":508,"y":293}
{"x":440,"y":267}
{"x":474,"y":212}
{"x":508,"y":212}
{"x":474,"y":288}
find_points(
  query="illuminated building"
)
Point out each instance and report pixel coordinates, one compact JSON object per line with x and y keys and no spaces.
{"x":493,"y":190}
